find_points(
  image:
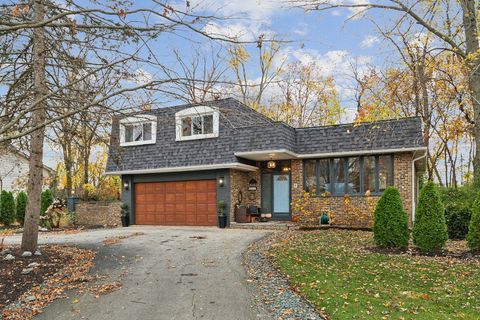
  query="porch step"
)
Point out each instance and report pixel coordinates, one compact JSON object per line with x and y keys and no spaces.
{"x":273,"y":225}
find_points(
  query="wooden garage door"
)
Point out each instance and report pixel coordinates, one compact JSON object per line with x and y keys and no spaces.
{"x":176,"y":203}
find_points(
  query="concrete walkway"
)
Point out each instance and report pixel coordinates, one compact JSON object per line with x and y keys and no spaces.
{"x":166,"y":273}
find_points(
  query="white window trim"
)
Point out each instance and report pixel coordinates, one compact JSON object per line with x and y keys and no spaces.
{"x":196,"y":112}
{"x":140,"y":119}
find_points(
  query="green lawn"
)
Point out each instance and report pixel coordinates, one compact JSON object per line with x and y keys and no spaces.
{"x":344,"y":279}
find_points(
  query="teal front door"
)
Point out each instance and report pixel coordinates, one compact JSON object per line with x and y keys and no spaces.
{"x":276,"y":195}
{"x":281,"y":196}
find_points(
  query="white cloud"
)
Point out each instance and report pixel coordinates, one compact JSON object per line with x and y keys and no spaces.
{"x":241,"y":31}
{"x":260,"y":10}
{"x":142,"y":76}
{"x":369,"y":41}
{"x":301,"y":29}
{"x":336,"y":13}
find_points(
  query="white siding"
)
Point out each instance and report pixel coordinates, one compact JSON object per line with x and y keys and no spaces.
{"x":12,"y":168}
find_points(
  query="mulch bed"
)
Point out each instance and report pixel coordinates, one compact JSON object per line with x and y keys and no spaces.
{"x":13,"y":283}
{"x":60,"y":268}
{"x":270,"y":287}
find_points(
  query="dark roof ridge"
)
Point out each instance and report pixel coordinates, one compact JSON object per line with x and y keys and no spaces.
{"x":361,"y":123}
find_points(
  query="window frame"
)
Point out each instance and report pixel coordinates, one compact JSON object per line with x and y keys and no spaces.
{"x":195,"y":112}
{"x":345,"y":166}
{"x":138,"y":120}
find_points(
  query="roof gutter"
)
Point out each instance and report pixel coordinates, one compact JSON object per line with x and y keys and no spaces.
{"x":233,"y":165}
{"x":294,"y":155}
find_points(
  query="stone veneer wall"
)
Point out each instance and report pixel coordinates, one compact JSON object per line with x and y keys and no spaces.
{"x":239,"y":182}
{"x":345,"y":210}
{"x":98,"y":213}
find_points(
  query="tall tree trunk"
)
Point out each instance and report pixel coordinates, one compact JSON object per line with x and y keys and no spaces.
{"x":472,"y":43}
{"x":35,"y":178}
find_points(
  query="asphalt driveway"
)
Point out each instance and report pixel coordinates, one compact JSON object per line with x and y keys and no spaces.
{"x":166,"y":273}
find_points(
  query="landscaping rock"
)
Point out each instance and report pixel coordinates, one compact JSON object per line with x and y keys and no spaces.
{"x":31,"y":298}
{"x":33,"y":265}
{"x":38,"y":253}
{"x":27,"y":270}
{"x":5,"y":252}
{"x":26,"y":254}
{"x":42,"y":229}
{"x":272,"y":288}
{"x":9,"y":257}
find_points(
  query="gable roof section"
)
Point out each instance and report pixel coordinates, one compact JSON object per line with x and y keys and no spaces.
{"x":243,"y":131}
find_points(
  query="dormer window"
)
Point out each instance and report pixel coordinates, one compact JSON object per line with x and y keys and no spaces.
{"x":196,"y":123}
{"x":138,"y":130}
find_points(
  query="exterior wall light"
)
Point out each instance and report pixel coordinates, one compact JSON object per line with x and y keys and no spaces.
{"x":126,"y":185}
{"x":221,"y":181}
{"x":271,"y":164}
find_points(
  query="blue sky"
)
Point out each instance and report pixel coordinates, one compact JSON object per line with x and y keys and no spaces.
{"x":326,"y":38}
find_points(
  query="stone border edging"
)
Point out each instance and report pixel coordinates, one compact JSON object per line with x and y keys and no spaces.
{"x":271,"y":287}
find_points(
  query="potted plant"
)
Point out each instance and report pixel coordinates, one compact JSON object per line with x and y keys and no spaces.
{"x":124,"y":215}
{"x":222,"y":217}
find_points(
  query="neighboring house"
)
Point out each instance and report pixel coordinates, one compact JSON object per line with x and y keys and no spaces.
{"x":14,"y":170}
{"x":176,"y":163}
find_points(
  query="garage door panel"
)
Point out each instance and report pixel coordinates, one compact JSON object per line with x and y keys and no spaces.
{"x":201,"y":197}
{"x":211,"y":197}
{"x":176,"y":203}
{"x":179,"y":197}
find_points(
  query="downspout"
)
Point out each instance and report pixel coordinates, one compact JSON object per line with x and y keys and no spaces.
{"x":414,"y":184}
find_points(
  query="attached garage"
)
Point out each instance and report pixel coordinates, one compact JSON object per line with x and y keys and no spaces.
{"x":173,"y":203}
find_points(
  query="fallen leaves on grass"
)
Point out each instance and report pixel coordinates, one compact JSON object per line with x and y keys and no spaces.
{"x":341,"y":273}
{"x":117,"y":239}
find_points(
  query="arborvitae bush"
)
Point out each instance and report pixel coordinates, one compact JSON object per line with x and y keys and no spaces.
{"x":7,"y":208}
{"x":21,"y":206}
{"x":46,"y":201}
{"x":430,"y":229}
{"x":473,"y":236}
{"x":390,"y":229}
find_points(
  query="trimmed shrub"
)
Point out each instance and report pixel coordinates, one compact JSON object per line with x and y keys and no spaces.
{"x":390,"y":229}
{"x":45,"y":201}
{"x":458,"y":207}
{"x":430,"y":229}
{"x":7,"y":208}
{"x":21,"y":207}
{"x":473,"y":236}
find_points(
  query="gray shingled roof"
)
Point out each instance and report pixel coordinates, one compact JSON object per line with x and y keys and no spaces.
{"x":243,"y":129}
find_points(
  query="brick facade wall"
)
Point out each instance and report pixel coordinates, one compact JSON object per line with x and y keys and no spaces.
{"x":356,"y":211}
{"x":98,"y":213}
{"x":239,"y":182}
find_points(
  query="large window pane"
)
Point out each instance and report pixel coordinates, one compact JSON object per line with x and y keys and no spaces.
{"x":369,"y":174}
{"x":197,"y":125}
{"x":353,"y":175}
{"x":324,"y":175}
{"x":208,"y":124}
{"x":310,"y":176}
{"x":137,"y":132}
{"x":186,"y":127}
{"x":384,"y":172}
{"x":147,"y":131}
{"x":128,"y":133}
{"x":338,"y":176}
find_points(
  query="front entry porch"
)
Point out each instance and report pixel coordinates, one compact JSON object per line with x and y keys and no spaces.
{"x":264,"y":195}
